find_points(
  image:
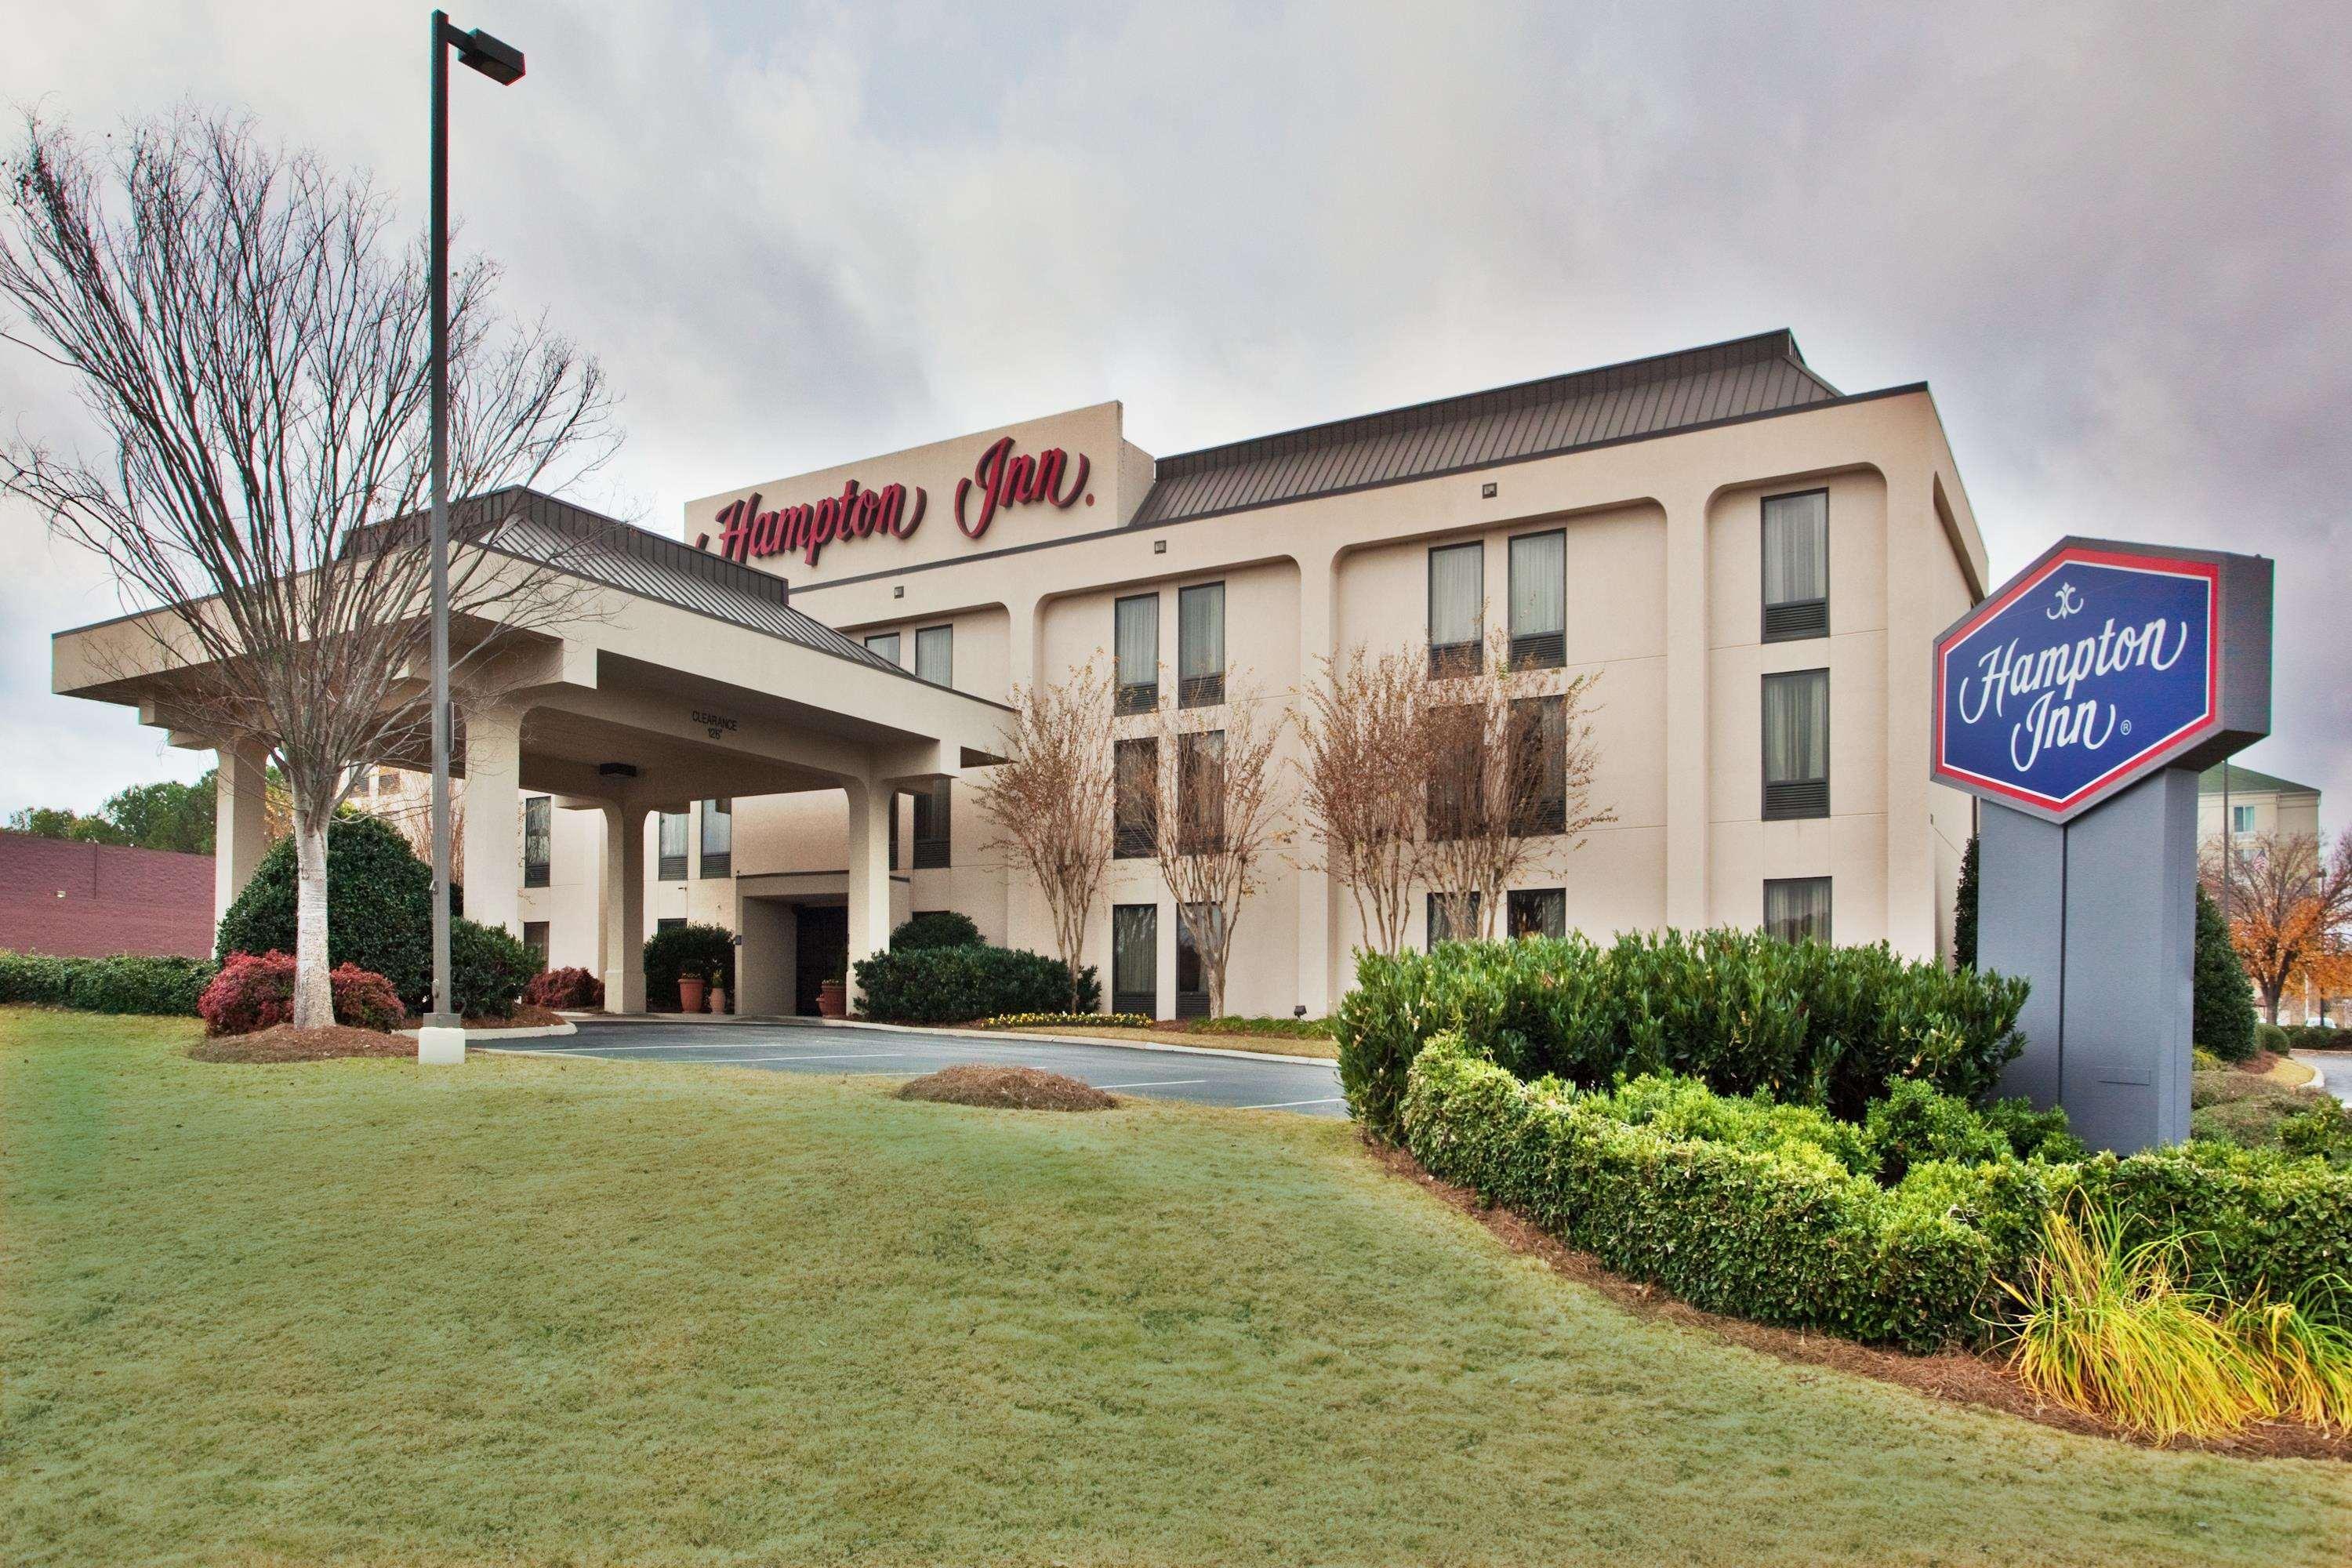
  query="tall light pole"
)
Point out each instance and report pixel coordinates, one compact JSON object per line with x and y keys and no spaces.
{"x":442,"y":1039}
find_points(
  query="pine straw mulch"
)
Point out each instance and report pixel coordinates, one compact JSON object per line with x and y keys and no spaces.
{"x":1006,"y":1088}
{"x":285,"y":1043}
{"x":1961,"y":1376}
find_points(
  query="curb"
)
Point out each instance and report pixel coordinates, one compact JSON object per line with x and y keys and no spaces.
{"x":987,"y":1035}
{"x":475,"y":1038}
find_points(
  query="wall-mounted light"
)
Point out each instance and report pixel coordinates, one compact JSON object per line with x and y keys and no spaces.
{"x":1486,"y":490}
{"x":1159,"y":547}
{"x":897,"y":590}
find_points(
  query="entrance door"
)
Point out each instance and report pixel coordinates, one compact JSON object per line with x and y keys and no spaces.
{"x":820,"y":953}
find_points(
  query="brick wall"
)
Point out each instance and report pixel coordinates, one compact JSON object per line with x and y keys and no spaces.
{"x":88,"y":900}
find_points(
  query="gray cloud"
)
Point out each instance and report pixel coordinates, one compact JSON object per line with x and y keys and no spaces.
{"x":2115,"y":239}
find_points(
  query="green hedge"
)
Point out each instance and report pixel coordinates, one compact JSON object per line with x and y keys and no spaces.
{"x":955,"y":985}
{"x":1807,"y":1023}
{"x":488,"y":967}
{"x":125,"y":983}
{"x":937,"y":928}
{"x":1774,"y":1229}
{"x":708,"y":949}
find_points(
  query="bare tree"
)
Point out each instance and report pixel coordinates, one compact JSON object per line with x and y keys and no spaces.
{"x":1212,"y":835}
{"x":1051,"y":801}
{"x":252,"y":341}
{"x":1363,"y":778}
{"x":2289,"y":906}
{"x":1509,"y":758}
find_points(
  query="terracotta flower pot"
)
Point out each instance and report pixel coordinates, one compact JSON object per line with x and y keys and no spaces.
{"x":719,"y":999}
{"x":689,"y":995}
{"x":832,"y":999}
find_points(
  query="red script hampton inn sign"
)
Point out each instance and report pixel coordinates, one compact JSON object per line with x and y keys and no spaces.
{"x":1000,"y":479}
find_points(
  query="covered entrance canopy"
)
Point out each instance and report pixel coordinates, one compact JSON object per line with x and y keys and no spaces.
{"x":681,"y":677}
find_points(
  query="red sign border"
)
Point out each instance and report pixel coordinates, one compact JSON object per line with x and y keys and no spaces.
{"x":2180,"y":740}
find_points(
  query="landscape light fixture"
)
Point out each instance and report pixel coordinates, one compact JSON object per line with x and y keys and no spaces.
{"x":442,"y":1037}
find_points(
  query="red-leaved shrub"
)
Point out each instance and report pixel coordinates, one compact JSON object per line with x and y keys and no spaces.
{"x":255,"y":991}
{"x":565,"y":990}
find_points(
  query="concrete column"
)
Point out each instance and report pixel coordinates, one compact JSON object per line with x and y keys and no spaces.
{"x":1021,"y":642}
{"x":869,"y":872}
{"x":1317,"y":575}
{"x":1687,"y":683}
{"x":625,"y":907}
{"x":493,"y":825}
{"x":239,"y":837}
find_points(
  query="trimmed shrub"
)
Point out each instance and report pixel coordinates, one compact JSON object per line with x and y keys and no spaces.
{"x":1830,"y":1026}
{"x":2222,"y":1004}
{"x":488,"y":967}
{"x":2272,"y":1038}
{"x":1283,"y":1029}
{"x":955,"y":985}
{"x":255,"y":991}
{"x":937,"y":928}
{"x":1915,"y":1123}
{"x":125,"y":983}
{"x":1068,"y":1020}
{"x":2032,"y":1134}
{"x":379,"y":905}
{"x":2314,"y":1037}
{"x":705,"y":949}
{"x":565,"y":990}
{"x":1778,"y":1236}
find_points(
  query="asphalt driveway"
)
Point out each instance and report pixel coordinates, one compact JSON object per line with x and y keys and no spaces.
{"x":2335,"y":1066}
{"x":1246,"y":1082}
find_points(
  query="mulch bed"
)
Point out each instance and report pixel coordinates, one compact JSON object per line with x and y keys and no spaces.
{"x":1006,"y":1088}
{"x":285,"y":1043}
{"x":1961,"y":1376}
{"x":526,"y":1016}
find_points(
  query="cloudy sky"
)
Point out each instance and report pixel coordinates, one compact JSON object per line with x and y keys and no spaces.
{"x":2116,"y":240}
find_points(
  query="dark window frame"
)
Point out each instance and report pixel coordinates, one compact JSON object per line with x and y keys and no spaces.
{"x":1193,"y":1003}
{"x":933,"y":850}
{"x":1428,"y":936}
{"x":536,"y":870}
{"x":1792,"y":800}
{"x":669,"y":866}
{"x":1130,"y":698}
{"x":1447,"y":660}
{"x":1794,"y":620}
{"x":1829,"y":917}
{"x":893,"y":638}
{"x":1546,"y":815}
{"x":540,"y":946}
{"x":922,"y":632}
{"x":1200,"y":690}
{"x":722,"y":863}
{"x":1135,"y":999}
{"x":1198,"y":837}
{"x":1537,"y":650}
{"x":1519,"y":899}
{"x":1134,"y":839}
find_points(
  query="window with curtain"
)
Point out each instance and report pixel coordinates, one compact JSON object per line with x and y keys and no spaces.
{"x":534,"y":937}
{"x":1539,"y":765}
{"x":1537,"y":911}
{"x":935,"y":655}
{"x":932,"y":846}
{"x":1796,"y":566}
{"x":1457,"y":608}
{"x":1201,"y":645}
{"x":1135,"y":637}
{"x":669,"y":922}
{"x":1453,"y":917}
{"x":717,"y":838}
{"x":1797,"y":745}
{"x":538,"y":839}
{"x":671,"y":843}
{"x":2241,"y":819}
{"x":1540,"y":600}
{"x":1796,"y":909}
{"x":1200,"y":792}
{"x":1135,"y":798}
{"x":1135,"y":959}
{"x":1457,"y":774}
{"x":884,"y":643}
{"x":1192,"y":974}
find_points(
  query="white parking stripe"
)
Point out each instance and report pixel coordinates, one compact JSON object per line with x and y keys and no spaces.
{"x":1291,"y":1104}
{"x":1155,"y":1083}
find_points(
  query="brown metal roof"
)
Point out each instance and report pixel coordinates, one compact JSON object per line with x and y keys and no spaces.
{"x":1746,"y":376}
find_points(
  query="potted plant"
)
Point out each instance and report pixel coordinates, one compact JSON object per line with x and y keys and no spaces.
{"x":692,"y":982}
{"x":833,"y":999}
{"x":717,"y":995}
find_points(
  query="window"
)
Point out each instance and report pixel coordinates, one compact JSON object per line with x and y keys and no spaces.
{"x":1540,"y":600}
{"x":1200,"y":792}
{"x":894,"y":829}
{"x":1539,"y":765}
{"x":387,"y":782}
{"x":717,"y":838}
{"x":1453,"y":917}
{"x":1537,"y":911}
{"x":1135,"y":959}
{"x":669,"y":922}
{"x":534,"y":937}
{"x":885,"y":644}
{"x":1797,"y":745}
{"x":1192,"y":974}
{"x":2241,"y":819}
{"x":1457,"y":608}
{"x":1135,"y":631}
{"x":1796,"y":909}
{"x":537,"y":841}
{"x":931,"y":838}
{"x":1796,"y":566}
{"x":1135,"y":798}
{"x":672,"y":846}
{"x":1457,"y":781}
{"x":935,"y":655}
{"x":1201,"y":645}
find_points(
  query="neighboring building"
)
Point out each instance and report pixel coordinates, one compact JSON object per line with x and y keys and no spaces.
{"x":2239,"y":801}
{"x":85,"y":900}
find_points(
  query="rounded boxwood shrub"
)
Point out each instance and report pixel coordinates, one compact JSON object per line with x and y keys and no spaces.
{"x":379,"y":905}
{"x":937,"y":928}
{"x":708,"y":949}
{"x":255,"y":991}
{"x":957,"y":984}
{"x":488,"y":967}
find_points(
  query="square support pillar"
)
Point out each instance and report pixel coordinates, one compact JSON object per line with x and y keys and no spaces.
{"x":625,"y":907}
{"x":870,"y":805}
{"x":240,"y":835}
{"x":493,"y":825}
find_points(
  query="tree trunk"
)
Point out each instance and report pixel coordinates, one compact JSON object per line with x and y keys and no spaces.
{"x":2270,"y":995}
{"x":314,"y":996}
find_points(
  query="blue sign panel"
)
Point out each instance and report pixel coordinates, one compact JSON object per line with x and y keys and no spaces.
{"x":2090,"y":669}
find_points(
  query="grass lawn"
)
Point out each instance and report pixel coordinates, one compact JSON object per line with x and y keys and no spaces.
{"x":552,"y":1311}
